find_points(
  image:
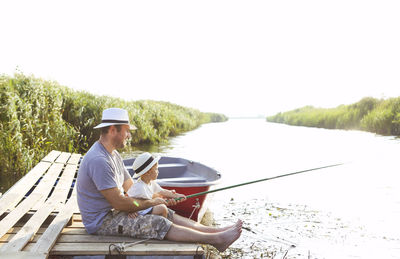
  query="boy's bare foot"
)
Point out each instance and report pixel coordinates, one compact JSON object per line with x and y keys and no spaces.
{"x":238,"y":223}
{"x":229,"y":236}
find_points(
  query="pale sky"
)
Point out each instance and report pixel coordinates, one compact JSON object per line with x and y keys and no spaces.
{"x":233,"y":57}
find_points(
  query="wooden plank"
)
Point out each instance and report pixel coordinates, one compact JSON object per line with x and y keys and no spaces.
{"x":80,"y":242}
{"x":22,"y":255}
{"x":14,"y":195}
{"x":66,"y":249}
{"x":52,"y":156}
{"x":77,"y":224}
{"x":77,"y":217}
{"x":74,"y":231}
{"x":66,"y":231}
{"x":29,"y":229}
{"x":63,"y":158}
{"x":42,"y":190}
{"x":17,"y":213}
{"x":74,"y":159}
{"x":65,"y":182}
{"x":139,"y":249}
{"x":63,"y":185}
{"x":81,"y":236}
{"x":51,"y":177}
{"x":29,"y":214}
{"x":57,"y":198}
{"x":49,"y":237}
{"x":76,"y":209}
{"x":73,"y":238}
{"x":6,"y":237}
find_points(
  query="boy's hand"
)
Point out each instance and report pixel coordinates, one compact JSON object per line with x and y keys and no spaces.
{"x":132,"y":215}
{"x":177,"y":199}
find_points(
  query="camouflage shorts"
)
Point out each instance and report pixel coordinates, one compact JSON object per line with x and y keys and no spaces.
{"x":117,"y":223}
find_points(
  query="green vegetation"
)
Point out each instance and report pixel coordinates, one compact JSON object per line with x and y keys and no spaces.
{"x":37,"y":116}
{"x":369,"y":114}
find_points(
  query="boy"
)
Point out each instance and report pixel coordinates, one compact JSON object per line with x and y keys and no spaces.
{"x":146,"y":168}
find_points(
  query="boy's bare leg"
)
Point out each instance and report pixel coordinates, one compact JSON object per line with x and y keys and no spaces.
{"x":182,"y":221}
{"x":220,"y":240}
{"x":160,"y":209}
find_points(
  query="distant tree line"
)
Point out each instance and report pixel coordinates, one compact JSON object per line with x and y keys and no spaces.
{"x":381,"y":116}
{"x":37,"y":116}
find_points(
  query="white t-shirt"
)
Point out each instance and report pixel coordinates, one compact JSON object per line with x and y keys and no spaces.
{"x":142,"y":190}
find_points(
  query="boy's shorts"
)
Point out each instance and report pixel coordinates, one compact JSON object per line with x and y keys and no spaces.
{"x":117,"y":223}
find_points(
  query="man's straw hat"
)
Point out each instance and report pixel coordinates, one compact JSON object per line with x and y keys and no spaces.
{"x":115,"y":116}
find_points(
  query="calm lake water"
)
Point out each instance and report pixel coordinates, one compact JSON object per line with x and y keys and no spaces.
{"x":349,"y":211}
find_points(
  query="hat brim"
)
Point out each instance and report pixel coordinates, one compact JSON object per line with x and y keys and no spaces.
{"x":102,"y":125}
{"x":155,"y":160}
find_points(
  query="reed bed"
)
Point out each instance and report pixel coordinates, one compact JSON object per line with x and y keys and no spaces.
{"x":37,"y":116}
{"x":369,"y":114}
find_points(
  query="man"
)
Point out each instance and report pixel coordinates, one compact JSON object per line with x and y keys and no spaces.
{"x":102,"y":181}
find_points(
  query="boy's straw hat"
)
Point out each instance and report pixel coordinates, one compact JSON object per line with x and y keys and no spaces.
{"x":115,"y":116}
{"x":144,"y":163}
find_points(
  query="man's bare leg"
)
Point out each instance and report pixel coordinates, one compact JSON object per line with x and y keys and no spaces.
{"x":182,"y":221}
{"x":220,"y":240}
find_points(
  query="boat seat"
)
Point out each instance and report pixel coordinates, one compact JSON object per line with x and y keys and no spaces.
{"x":183,"y":180}
{"x":171,"y":165}
{"x":129,"y":167}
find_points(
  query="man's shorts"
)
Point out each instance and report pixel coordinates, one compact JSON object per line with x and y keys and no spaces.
{"x":117,"y":223}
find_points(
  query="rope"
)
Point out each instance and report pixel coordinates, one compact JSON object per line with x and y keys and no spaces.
{"x":120,"y":247}
{"x":116,"y":248}
{"x":195,"y":207}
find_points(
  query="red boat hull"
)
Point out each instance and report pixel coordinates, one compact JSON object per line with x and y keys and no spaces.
{"x":186,"y":208}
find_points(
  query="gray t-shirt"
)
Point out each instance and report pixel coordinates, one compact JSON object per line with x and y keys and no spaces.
{"x":99,"y":170}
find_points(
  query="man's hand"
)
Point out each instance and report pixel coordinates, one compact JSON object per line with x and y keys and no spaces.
{"x":181,"y":197}
{"x":121,"y":202}
{"x":159,"y":200}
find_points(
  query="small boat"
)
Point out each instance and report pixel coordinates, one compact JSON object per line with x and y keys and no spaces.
{"x":186,"y":177}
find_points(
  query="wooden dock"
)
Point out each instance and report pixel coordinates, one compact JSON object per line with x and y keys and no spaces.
{"x":39,"y":217}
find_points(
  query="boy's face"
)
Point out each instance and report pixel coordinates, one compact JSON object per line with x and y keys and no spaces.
{"x":153,"y":172}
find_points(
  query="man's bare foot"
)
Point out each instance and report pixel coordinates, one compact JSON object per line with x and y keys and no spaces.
{"x":229,"y":236}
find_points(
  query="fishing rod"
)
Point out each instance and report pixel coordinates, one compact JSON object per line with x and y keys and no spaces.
{"x":257,"y":181}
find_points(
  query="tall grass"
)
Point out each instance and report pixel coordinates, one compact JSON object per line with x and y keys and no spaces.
{"x":37,"y":116}
{"x":31,"y":123}
{"x":374,"y":115}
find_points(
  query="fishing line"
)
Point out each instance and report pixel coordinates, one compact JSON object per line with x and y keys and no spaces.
{"x":256,"y":234}
{"x":260,"y":180}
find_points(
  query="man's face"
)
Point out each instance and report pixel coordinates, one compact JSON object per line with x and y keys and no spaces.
{"x":120,"y":138}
